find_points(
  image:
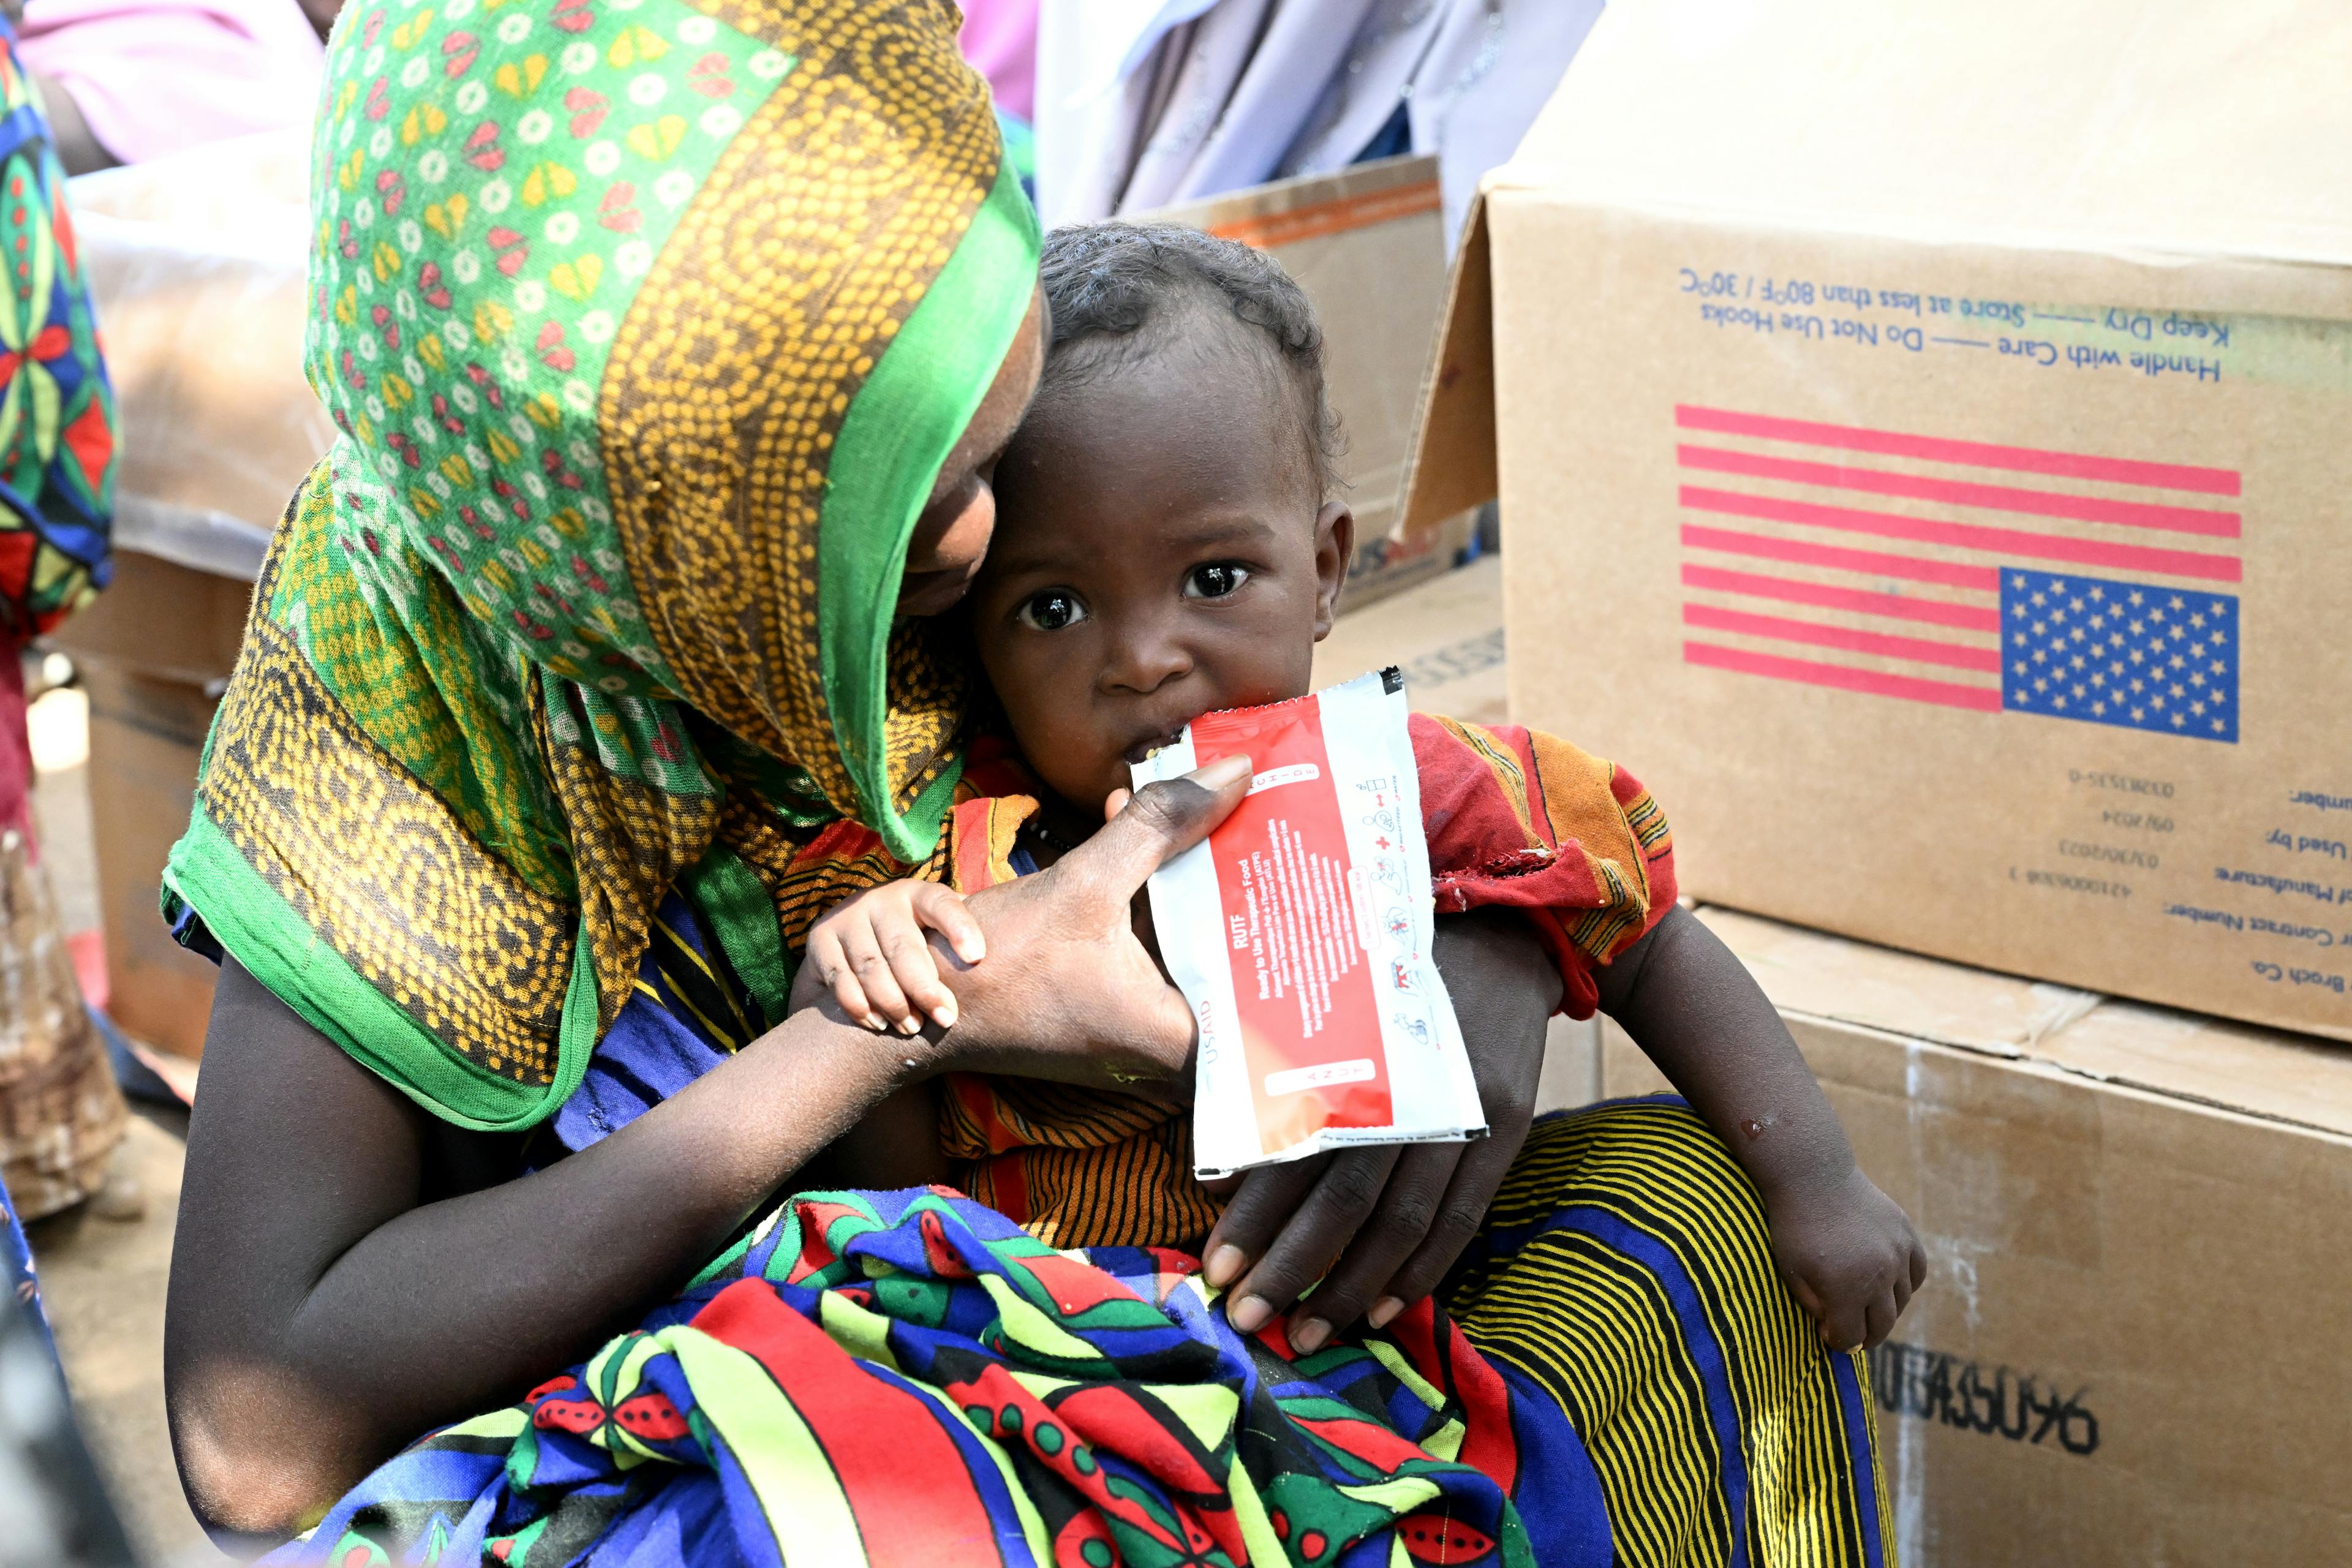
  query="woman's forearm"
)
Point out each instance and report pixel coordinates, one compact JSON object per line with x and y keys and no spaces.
{"x":320,"y":1316}
{"x":554,"y":1262}
{"x":1692,"y":1006}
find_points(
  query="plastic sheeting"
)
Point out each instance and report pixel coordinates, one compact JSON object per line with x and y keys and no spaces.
{"x":1148,"y":103}
{"x":196,"y":265}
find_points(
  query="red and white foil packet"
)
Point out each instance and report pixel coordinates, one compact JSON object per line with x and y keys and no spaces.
{"x":1300,"y":934}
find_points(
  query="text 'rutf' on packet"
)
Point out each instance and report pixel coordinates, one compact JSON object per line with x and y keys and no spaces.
{"x":1300,"y":933}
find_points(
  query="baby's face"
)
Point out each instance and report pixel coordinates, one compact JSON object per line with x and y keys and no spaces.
{"x":1160,"y":553}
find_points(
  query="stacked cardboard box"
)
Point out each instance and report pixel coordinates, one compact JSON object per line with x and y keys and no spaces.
{"x":218,"y":428}
{"x":1367,"y":246}
{"x":1918,"y":432}
{"x":2136,"y":1222}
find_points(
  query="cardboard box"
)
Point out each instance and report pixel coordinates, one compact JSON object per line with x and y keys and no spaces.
{"x":1447,"y":634}
{"x":154,"y":651}
{"x":145,"y":738}
{"x":1368,"y":246}
{"x":218,"y":428}
{"x":1920,"y":438}
{"x":2137,"y":1223}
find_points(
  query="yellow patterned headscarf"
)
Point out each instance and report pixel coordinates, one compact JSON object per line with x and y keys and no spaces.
{"x":647,"y":325}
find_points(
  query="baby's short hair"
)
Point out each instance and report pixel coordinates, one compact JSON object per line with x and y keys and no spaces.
{"x":1110,"y":286}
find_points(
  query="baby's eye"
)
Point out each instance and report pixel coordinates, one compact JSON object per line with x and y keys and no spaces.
{"x":1050,"y":611}
{"x":1214,"y":581}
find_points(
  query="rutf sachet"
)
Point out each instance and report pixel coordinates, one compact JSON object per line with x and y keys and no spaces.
{"x":1300,"y":933}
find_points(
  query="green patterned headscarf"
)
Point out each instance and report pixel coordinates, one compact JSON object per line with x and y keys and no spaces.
{"x":647,"y":326}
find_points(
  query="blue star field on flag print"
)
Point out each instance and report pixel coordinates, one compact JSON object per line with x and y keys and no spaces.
{"x":2110,"y":652}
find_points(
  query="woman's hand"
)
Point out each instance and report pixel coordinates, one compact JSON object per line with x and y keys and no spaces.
{"x":1396,"y":1218}
{"x":1068,"y":992}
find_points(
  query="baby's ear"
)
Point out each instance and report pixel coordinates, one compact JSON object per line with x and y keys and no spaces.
{"x":1334,"y":547}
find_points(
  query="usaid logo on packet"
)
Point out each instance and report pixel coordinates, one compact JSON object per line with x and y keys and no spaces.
{"x":1275,"y":778}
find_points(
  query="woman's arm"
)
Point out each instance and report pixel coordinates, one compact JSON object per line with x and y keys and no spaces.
{"x":1849,"y":1253}
{"x":324,"y":1312}
{"x":321,"y":1313}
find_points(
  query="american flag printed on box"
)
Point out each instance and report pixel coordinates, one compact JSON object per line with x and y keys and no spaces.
{"x":1961,"y":574}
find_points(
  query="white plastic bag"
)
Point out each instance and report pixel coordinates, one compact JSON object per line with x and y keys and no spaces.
{"x":1300,"y":933}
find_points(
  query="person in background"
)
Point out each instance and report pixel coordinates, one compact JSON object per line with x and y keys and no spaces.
{"x":61,"y":1112}
{"x":127,"y":81}
{"x":1000,"y":39}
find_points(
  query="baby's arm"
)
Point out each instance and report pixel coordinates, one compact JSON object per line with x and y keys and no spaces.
{"x":871,"y":951}
{"x":869,"y":956}
{"x":1849,"y":1253}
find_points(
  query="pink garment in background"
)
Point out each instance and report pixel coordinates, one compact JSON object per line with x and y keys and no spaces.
{"x":153,"y":77}
{"x":15,"y":750}
{"x":1000,"y":38}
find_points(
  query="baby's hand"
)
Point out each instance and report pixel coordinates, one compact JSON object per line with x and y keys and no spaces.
{"x":872,"y":955}
{"x":1850,"y":1255}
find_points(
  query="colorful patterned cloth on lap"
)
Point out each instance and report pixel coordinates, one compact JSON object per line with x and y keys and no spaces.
{"x":907,"y":1378}
{"x":647,"y":325}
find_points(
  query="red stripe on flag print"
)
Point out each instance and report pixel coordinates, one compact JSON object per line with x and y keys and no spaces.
{"x":1940,"y":612}
{"x":1926,"y":650}
{"x":1967,"y":454}
{"x":1960,"y":493}
{"x":1844,"y":677}
{"x":2009,"y":543}
{"x":1796,"y":552}
{"x":1773,"y":597}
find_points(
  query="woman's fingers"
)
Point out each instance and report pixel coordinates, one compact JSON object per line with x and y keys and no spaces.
{"x":1461,"y":1209}
{"x":1401,"y":1220}
{"x":1159,"y":823}
{"x":862,"y":951}
{"x":1333,"y":1211}
{"x":1264,"y":1198}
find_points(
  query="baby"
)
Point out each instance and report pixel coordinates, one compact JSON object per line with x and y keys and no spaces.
{"x":1166,"y":545}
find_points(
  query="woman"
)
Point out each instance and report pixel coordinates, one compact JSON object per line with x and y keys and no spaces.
{"x":672,"y":356}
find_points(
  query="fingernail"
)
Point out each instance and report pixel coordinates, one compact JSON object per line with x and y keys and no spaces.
{"x":944,"y":1015}
{"x":1249,"y":1314}
{"x":1225,"y":1265}
{"x":1221,"y":772}
{"x":1306,"y":1337}
{"x":910,"y":1025}
{"x":1384,"y":1309}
